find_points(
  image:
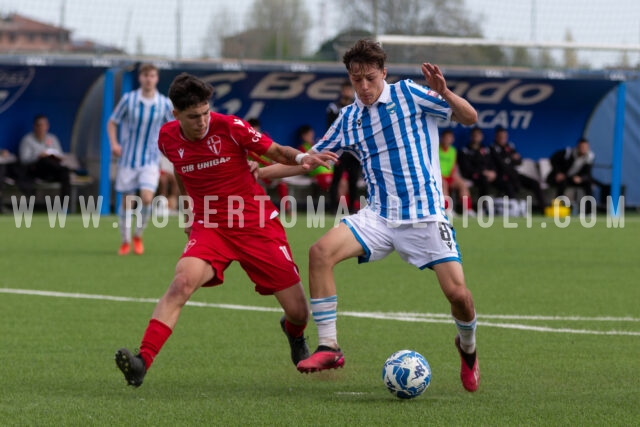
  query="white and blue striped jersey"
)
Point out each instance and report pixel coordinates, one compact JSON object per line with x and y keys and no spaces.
{"x":396,"y":140}
{"x":139,"y":121}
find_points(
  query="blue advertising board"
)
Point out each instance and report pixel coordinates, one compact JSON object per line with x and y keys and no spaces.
{"x":55,"y":91}
{"x":541,"y":115}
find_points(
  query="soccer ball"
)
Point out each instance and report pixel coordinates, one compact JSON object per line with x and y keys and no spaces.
{"x":407,"y":374}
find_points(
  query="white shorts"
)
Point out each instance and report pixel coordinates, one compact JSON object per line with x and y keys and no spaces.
{"x":423,"y":244}
{"x":130,"y":180}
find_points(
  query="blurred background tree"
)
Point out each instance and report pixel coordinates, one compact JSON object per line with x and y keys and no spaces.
{"x":423,"y":18}
{"x":274,"y":30}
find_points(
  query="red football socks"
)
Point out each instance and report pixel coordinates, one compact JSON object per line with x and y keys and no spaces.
{"x":154,"y":338}
{"x":294,"y":330}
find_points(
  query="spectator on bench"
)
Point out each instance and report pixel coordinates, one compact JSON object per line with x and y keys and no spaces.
{"x":42,"y":155}
{"x":476,"y":164}
{"x":505,"y":157}
{"x":571,"y":168}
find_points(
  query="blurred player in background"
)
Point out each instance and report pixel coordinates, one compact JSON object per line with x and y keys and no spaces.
{"x":393,"y":130}
{"x":133,"y":133}
{"x":233,"y":219}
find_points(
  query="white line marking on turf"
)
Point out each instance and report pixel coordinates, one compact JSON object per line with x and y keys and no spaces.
{"x":129,"y":299}
{"x":351,"y":393}
{"x":440,"y":318}
{"x":399,"y":315}
{"x":406,"y":317}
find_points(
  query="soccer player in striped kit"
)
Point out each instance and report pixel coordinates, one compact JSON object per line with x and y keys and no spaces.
{"x":392,"y":130}
{"x":133,"y":130}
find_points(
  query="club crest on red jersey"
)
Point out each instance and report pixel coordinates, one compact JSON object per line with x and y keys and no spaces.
{"x":215,"y":144}
{"x":191,"y":243}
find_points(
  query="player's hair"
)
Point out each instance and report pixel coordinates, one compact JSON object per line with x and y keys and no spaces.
{"x":364,"y":52}
{"x":254,"y":122}
{"x":38,"y":117}
{"x":187,"y":91}
{"x":146,"y":67}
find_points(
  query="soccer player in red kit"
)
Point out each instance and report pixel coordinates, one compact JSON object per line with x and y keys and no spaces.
{"x":233,"y":219}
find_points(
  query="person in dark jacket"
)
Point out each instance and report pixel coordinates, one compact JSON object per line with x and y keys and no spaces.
{"x":571,"y":167}
{"x":506,"y":158}
{"x":476,"y":164}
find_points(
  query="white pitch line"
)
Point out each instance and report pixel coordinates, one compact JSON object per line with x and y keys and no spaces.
{"x":129,"y":299}
{"x":559,"y":330}
{"x":439,"y":318}
{"x":397,"y":315}
{"x":406,"y":317}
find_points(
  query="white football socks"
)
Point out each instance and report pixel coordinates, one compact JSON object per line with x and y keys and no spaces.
{"x":124,"y":222}
{"x":324,"y":312}
{"x":467,"y":333}
{"x":145,"y":213}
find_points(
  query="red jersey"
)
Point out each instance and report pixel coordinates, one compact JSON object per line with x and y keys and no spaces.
{"x":215,"y":172}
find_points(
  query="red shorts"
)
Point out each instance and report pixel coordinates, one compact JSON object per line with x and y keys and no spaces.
{"x":448,"y":180}
{"x":263,"y":253}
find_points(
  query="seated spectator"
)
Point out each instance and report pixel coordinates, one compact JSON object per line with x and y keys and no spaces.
{"x":505,"y":157}
{"x":476,"y":164}
{"x":42,"y":155}
{"x":321,"y":175}
{"x":571,"y":168}
{"x":451,"y":179}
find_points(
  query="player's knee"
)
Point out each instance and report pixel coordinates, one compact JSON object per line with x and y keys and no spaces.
{"x":181,"y":287}
{"x":299,"y":315}
{"x":147,"y":198}
{"x":459,"y":295}
{"x":320,"y":256}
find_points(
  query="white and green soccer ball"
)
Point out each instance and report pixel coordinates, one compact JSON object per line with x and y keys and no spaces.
{"x":407,"y":374}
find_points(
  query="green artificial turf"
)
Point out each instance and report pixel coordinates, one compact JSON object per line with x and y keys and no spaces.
{"x":558,"y":333}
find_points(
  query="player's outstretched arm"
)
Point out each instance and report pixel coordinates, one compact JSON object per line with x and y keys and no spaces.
{"x":302,"y":162}
{"x":463,"y":112}
{"x":292,"y":157}
{"x":277,"y":171}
